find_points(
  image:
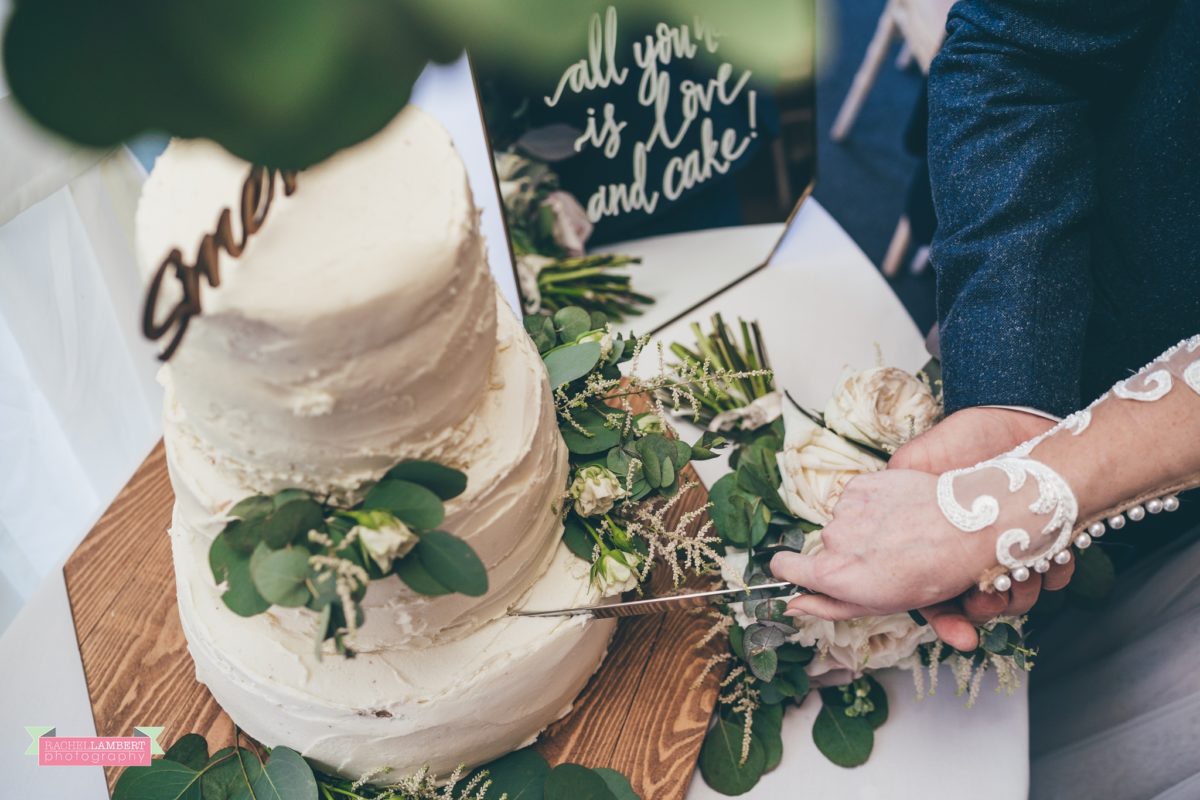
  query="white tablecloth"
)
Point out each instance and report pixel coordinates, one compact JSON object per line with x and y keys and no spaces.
{"x":822,"y":305}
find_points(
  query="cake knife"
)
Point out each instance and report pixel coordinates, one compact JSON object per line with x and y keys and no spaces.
{"x":673,"y":602}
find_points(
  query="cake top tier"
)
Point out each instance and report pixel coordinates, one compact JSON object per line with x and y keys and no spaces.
{"x":347,"y":331}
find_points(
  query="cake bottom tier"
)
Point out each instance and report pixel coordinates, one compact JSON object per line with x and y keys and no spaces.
{"x":465,"y":702}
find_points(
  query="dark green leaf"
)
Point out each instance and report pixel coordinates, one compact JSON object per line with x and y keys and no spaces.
{"x":257,"y":506}
{"x":597,"y":321}
{"x":223,"y":775}
{"x":417,"y":577}
{"x":191,"y":750}
{"x":737,"y":635}
{"x":760,"y":636}
{"x":600,"y":438}
{"x":243,"y":535}
{"x":999,"y":639}
{"x":730,"y":511}
{"x":577,"y":539}
{"x":452,"y":563}
{"x":878,"y":697}
{"x":162,"y":780}
{"x":520,"y":774}
{"x":767,"y":727}
{"x":720,"y":759}
{"x":571,"y":362}
{"x":279,"y":576}
{"x":617,"y":461}
{"x":285,"y":776}
{"x":793,"y":653}
{"x":411,"y":503}
{"x":541,"y":330}
{"x":574,"y":782}
{"x":232,"y":567}
{"x":572,"y":322}
{"x":617,"y":783}
{"x":290,"y":521}
{"x":846,"y":741}
{"x":443,"y":481}
{"x":763,"y":663}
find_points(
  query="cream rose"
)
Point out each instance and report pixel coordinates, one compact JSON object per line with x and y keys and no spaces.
{"x":529,"y":266}
{"x":883,"y":407}
{"x":816,"y":464}
{"x":595,"y":490}
{"x":384,"y":537}
{"x":616,"y":572}
{"x":571,"y":228}
{"x":761,"y":411}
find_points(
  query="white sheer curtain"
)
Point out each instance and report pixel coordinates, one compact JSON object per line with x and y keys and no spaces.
{"x":79,"y":407}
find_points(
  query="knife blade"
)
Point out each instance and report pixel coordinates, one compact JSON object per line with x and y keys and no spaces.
{"x":673,"y":602}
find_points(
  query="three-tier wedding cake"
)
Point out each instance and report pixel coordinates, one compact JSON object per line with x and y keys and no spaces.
{"x":358,"y":328}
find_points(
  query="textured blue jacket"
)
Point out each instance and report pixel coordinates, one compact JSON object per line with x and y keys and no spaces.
{"x":1064,"y":154}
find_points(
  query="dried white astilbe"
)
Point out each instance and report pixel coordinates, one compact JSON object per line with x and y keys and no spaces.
{"x":676,"y":545}
{"x":741,"y":697}
{"x":422,"y":785}
{"x":348,"y":578}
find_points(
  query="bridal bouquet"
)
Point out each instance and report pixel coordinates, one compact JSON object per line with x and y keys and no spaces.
{"x":788,"y":470}
{"x":549,"y":230}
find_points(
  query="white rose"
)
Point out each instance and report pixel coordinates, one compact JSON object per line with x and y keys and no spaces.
{"x":761,"y":411}
{"x":651,"y":423}
{"x":595,"y":490}
{"x":883,"y":407}
{"x":385,"y":537}
{"x":529,"y":266}
{"x":816,"y":464}
{"x":572,"y":228}
{"x":616,"y":572}
{"x":603,"y":338}
{"x":520,"y":182}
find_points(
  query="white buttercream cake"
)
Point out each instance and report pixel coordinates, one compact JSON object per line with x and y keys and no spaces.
{"x":361,"y":327}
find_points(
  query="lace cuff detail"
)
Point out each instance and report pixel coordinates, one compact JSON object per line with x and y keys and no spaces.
{"x":1039,"y":529}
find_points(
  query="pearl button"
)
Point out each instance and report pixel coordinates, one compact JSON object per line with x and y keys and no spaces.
{"x":1171,"y":503}
{"x":1042,"y":566}
{"x":1154,"y":506}
{"x":1117,"y":522}
{"x":1020,"y":574}
{"x":1082,"y":541}
{"x":1002,"y":583}
{"x":1096,"y":529}
{"x":1137,"y":513}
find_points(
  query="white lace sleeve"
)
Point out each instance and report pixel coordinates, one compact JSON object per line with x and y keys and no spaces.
{"x":1037,"y":522}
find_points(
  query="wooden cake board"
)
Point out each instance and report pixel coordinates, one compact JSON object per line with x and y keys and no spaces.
{"x":640,"y":714}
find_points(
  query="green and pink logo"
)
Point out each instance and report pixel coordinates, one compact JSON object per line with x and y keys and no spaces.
{"x":53,"y":750}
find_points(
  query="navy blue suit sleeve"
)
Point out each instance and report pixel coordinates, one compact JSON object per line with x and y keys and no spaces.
{"x":1016,"y":96}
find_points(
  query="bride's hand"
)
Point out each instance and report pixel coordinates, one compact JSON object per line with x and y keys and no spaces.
{"x":888,"y":549}
{"x":961,"y":440}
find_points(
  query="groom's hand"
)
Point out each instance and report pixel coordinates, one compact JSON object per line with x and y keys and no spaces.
{"x":961,"y":440}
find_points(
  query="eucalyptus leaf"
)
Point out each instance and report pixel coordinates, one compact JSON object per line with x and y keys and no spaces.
{"x":763,"y":663}
{"x":411,"y":503}
{"x":618,"y":461}
{"x":541,"y":329}
{"x":291,"y":520}
{"x":280,"y":577}
{"x":243,"y":535}
{"x":846,"y":741}
{"x":878,"y":697}
{"x":597,"y":320}
{"x":572,"y":322}
{"x":414,"y":574}
{"x":999,"y":639}
{"x":767,"y":727}
{"x":571,"y":362}
{"x":452,"y":563}
{"x":285,"y":776}
{"x":794,"y":653}
{"x":191,"y":750}
{"x":233,"y":568}
{"x":223,"y":774}
{"x":520,"y":775}
{"x":730,"y":511}
{"x":737,"y":635}
{"x":258,"y":505}
{"x":162,"y":780}
{"x":720,"y":759}
{"x":443,"y":481}
{"x":617,"y":783}
{"x":760,"y":636}
{"x":575,"y":782}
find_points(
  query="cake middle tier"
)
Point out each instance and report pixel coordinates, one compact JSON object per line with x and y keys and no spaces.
{"x":516,"y":465}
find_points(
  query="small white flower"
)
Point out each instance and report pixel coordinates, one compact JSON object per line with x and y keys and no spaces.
{"x":571,"y":228}
{"x":761,"y":411}
{"x":651,"y":423}
{"x":385,"y":537}
{"x":816,"y":464}
{"x":883,"y":407}
{"x":603,"y":338}
{"x":616,"y":572}
{"x":595,"y":490}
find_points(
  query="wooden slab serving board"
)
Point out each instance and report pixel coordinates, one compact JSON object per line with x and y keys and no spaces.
{"x":640,"y":714}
